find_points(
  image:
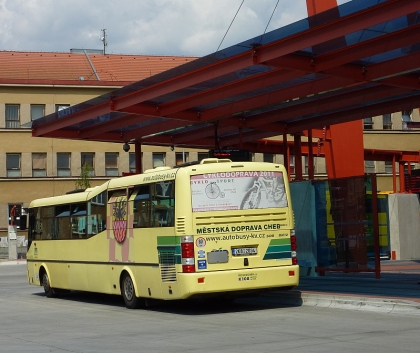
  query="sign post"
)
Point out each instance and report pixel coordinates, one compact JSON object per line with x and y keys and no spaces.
{"x":12,"y":235}
{"x":12,"y":241}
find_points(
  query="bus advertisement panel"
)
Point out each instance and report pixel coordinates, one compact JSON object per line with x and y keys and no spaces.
{"x":237,"y":191}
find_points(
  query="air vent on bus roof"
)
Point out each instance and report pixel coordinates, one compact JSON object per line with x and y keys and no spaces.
{"x":75,"y":191}
{"x":215,"y":160}
{"x":157,"y":169}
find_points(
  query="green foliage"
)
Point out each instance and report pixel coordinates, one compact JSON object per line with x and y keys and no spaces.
{"x":83,"y":182}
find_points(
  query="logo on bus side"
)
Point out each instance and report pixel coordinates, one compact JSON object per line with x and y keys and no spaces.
{"x":119,"y":218}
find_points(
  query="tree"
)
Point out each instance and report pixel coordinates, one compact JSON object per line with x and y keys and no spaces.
{"x":83,"y":182}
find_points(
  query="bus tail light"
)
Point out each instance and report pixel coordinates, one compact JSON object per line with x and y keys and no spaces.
{"x":187,"y":254}
{"x":293,"y":247}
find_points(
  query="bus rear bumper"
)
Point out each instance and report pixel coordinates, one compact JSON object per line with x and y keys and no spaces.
{"x":238,"y":281}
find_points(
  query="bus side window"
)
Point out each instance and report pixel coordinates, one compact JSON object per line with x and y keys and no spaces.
{"x":97,"y":214}
{"x":78,"y":220}
{"x":48,"y":230}
{"x":141,"y":207}
{"x":37,"y":224}
{"x":62,"y":221}
{"x":163,"y":204}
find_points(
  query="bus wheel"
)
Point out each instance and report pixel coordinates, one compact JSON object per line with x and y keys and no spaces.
{"x":129,"y":294}
{"x":49,"y":292}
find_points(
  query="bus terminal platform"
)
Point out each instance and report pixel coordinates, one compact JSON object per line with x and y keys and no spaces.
{"x":397,"y":291}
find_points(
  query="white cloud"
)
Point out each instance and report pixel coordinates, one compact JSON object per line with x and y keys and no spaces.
{"x":161,"y":27}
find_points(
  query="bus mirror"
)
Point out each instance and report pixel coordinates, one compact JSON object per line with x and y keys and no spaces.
{"x":22,"y":222}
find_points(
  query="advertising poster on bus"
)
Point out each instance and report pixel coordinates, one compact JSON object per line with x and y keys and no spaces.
{"x":237,"y":191}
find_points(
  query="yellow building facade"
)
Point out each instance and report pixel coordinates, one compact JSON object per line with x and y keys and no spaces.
{"x":33,"y":167}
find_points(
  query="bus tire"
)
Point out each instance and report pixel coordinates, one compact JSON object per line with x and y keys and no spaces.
{"x":49,"y":291}
{"x":129,"y":294}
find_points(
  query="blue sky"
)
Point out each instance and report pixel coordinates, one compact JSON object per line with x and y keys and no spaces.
{"x":151,"y":27}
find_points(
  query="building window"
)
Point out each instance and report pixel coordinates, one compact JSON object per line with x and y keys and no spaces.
{"x":132,"y":162}
{"x":406,"y":118}
{"x":368,"y":123}
{"x":12,"y":116}
{"x":37,"y":111}
{"x":88,"y":158}
{"x":388,"y":167}
{"x":63,"y":164}
{"x":111,"y":163}
{"x":292,"y":164}
{"x":268,"y":157}
{"x":202,"y":155}
{"x":412,"y":167}
{"x":13,"y":165}
{"x":59,"y":107}
{"x":386,"y":122}
{"x":181,"y":157}
{"x":158,"y":160}
{"x":306,"y":164}
{"x":39,"y":164}
{"x":369,"y":166}
{"x":61,"y":110}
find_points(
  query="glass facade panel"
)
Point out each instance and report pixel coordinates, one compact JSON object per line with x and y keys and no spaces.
{"x":111,"y":163}
{"x":12,"y":116}
{"x":132,"y":162}
{"x":268,"y":157}
{"x":13,"y":165}
{"x":368,"y":123}
{"x":386,"y":122}
{"x":88,"y":158}
{"x":158,"y":160}
{"x":37,"y":111}
{"x":39,"y":164}
{"x":181,"y":157}
{"x":63,"y":164}
{"x":202,"y":155}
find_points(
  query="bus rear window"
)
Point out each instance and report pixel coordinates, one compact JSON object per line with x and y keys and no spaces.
{"x":237,"y":191}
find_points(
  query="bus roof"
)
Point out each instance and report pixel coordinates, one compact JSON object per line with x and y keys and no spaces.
{"x":71,"y":197}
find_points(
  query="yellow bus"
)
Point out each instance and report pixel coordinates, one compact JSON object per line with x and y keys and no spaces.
{"x":210,"y":228}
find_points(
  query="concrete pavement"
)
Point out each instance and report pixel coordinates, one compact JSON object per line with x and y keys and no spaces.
{"x":397,"y":291}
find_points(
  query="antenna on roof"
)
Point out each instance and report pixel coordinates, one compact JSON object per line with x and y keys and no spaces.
{"x":103,"y":38}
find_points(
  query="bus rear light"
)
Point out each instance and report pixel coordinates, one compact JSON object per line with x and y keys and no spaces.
{"x":188,"y":268}
{"x":200,"y":280}
{"x":187,"y":254}
{"x":291,"y":273}
{"x":293,"y":247}
{"x":187,"y":250}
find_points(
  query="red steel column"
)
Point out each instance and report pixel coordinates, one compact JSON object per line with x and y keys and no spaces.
{"x":402,"y":176}
{"x":317,"y":6}
{"x":298,"y":157}
{"x":344,"y":152}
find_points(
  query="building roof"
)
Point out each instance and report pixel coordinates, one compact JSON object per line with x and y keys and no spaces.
{"x":72,"y":67}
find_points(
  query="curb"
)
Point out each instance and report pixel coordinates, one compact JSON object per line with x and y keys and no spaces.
{"x":373,"y":304}
{"x":12,"y":262}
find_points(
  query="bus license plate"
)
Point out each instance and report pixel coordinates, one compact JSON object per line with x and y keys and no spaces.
{"x":244,"y":251}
